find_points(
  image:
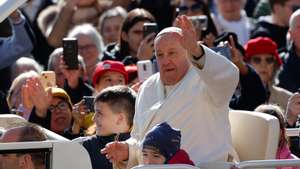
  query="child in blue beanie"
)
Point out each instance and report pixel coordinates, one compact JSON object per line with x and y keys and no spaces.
{"x":161,"y":145}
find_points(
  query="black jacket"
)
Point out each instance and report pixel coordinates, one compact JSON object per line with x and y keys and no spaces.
{"x":83,"y":89}
{"x":95,"y":143}
{"x":275,"y":32}
{"x":252,"y":92}
{"x":289,"y":77}
{"x":112,"y":52}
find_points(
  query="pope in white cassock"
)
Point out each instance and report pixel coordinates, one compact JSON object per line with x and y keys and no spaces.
{"x":191,"y":92}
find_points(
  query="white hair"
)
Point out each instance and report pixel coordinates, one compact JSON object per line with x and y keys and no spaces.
{"x":89,"y":30}
{"x":22,"y":62}
{"x":293,"y":19}
{"x":169,"y":30}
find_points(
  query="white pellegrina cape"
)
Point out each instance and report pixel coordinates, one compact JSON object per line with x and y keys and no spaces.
{"x":198,"y":105}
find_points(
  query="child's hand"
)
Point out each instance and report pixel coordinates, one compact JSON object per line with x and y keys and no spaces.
{"x":116,"y":151}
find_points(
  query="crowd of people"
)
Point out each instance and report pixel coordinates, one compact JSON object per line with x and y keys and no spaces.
{"x":245,"y":55}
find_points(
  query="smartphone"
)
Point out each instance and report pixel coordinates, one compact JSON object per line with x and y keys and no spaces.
{"x":145,"y":69}
{"x":149,"y":28}
{"x":199,"y":21}
{"x":70,"y":52}
{"x":89,"y":102}
{"x":223,"y":50}
{"x":48,"y":79}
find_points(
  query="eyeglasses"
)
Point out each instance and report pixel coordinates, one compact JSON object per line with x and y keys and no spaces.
{"x":198,"y":7}
{"x":258,"y":60}
{"x":61,"y":106}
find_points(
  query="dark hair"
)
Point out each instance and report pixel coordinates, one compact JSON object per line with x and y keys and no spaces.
{"x":276,"y":111}
{"x":133,"y":17}
{"x":119,"y":99}
{"x":211,"y":27}
{"x":32,"y":132}
{"x":280,"y":2}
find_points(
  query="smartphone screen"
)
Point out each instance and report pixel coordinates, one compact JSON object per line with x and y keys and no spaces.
{"x":70,"y":52}
{"x":149,"y":28}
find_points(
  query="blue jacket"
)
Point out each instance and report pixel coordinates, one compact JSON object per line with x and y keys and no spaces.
{"x":18,"y":45}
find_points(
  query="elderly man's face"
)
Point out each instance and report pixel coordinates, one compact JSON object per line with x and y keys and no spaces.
{"x":230,"y":9}
{"x":171,"y":57}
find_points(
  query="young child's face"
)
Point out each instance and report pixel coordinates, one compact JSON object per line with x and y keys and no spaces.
{"x":110,"y":78}
{"x":151,"y":156}
{"x":106,"y":120}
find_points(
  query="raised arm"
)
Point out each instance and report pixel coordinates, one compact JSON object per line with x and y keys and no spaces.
{"x":220,"y":75}
{"x":19,"y":44}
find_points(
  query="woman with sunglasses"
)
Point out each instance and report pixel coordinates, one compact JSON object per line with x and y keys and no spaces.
{"x":198,"y":8}
{"x":262,"y":54}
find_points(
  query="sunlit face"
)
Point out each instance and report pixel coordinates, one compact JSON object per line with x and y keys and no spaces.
{"x":264,"y":65}
{"x":171,"y":58}
{"x":151,"y":156}
{"x":88,"y":50}
{"x":111,"y":29}
{"x":134,"y":37}
{"x":110,"y":78}
{"x":230,"y":9}
{"x":190,"y":8}
{"x":105,"y":119}
{"x":61,"y":115}
{"x":295,"y":32}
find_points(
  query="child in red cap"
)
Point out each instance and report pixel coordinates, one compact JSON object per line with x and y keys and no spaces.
{"x":161,"y":145}
{"x":109,"y":73}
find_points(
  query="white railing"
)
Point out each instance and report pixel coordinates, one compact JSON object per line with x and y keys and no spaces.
{"x":62,"y":154}
{"x":292,"y":132}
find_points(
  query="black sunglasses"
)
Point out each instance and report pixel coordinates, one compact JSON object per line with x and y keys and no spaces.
{"x":194,"y":8}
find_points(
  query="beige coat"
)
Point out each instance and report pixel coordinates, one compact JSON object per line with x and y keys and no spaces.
{"x":279,"y":96}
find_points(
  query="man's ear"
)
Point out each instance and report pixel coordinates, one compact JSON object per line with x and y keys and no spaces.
{"x":121,"y":118}
{"x":25,"y":161}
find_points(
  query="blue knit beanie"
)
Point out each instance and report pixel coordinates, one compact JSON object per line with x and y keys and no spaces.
{"x":164,"y":138}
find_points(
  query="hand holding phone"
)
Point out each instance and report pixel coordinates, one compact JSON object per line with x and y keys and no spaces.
{"x":89,"y":102}
{"x":70,"y":52}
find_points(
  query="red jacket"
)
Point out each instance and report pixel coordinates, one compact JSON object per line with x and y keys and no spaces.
{"x":181,"y":157}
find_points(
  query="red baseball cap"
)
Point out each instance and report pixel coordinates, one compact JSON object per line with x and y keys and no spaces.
{"x":261,"y":45}
{"x":109,"y":65}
